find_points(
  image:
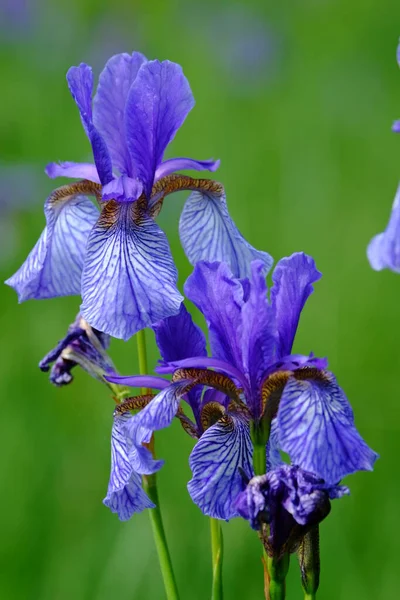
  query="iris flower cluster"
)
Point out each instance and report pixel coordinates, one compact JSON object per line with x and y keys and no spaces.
{"x":248,"y":402}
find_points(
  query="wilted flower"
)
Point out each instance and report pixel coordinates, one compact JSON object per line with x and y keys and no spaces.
{"x":252,"y":384}
{"x":120,"y":261}
{"x":290,"y":501}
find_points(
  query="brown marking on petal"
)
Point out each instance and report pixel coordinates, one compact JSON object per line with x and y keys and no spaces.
{"x":133,"y":403}
{"x":187,"y":424}
{"x":311,"y":373}
{"x":240,"y":408}
{"x":210,"y":378}
{"x":211,"y":413}
{"x":271,"y":392}
{"x":65,"y":192}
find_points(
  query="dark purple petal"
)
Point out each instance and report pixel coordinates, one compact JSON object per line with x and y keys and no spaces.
{"x":293,"y":278}
{"x":54,"y":266}
{"x":182,"y":164}
{"x":297,"y":361}
{"x":109,"y":105}
{"x":71,"y":169}
{"x":122,"y":189}
{"x":80,"y":83}
{"x":208,"y":233}
{"x":219,"y":296}
{"x":384,"y":249}
{"x":125,"y":495}
{"x":145,"y":381}
{"x":316,"y":428}
{"x":178,"y":337}
{"x":217,"y":462}
{"x":157,"y":105}
{"x":129,"y":277}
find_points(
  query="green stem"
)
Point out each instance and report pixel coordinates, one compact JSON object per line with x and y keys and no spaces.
{"x":217,"y":557}
{"x":310,"y":596}
{"x":150,"y":487}
{"x":277,"y":571}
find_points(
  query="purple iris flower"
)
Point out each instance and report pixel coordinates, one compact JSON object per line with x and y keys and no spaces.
{"x":119,"y":260}
{"x":290,"y":501}
{"x":252,"y":377}
{"x":384,"y":249}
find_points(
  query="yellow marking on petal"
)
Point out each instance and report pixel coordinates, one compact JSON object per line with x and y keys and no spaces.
{"x":211,"y":413}
{"x":271,"y":391}
{"x":176,"y":183}
{"x":187,"y":424}
{"x":66,"y":192}
{"x":311,"y":373}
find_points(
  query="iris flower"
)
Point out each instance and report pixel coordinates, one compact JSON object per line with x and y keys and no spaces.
{"x":251,"y":378}
{"x":119,"y":260}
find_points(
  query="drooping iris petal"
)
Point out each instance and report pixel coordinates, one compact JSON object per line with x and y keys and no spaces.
{"x":384,"y":249}
{"x":172,"y":165}
{"x":149,"y":381}
{"x":129,"y":277}
{"x":219,"y":296}
{"x":72,"y":169}
{"x":140,"y":457}
{"x":125,"y":495}
{"x":293,"y":278}
{"x":109,"y":105}
{"x":217,"y":462}
{"x":80,"y":83}
{"x":157,"y":105}
{"x":316,"y":428}
{"x":122,"y":189}
{"x":259,"y":334}
{"x":54,"y":266}
{"x":208,"y":232}
{"x":159,"y":413}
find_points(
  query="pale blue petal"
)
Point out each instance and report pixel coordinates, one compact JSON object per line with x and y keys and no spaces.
{"x":109,"y":105}
{"x":125,"y":495}
{"x":384,"y":249}
{"x":182,"y":164}
{"x":208,"y":233}
{"x":160,"y":412}
{"x":54,"y":266}
{"x":217,"y":462}
{"x":129,"y":277}
{"x":72,"y":169}
{"x":316,"y":429}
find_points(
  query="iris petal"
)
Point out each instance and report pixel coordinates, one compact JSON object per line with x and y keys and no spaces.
{"x":129,"y":277}
{"x":54,"y":266}
{"x":158,"y":103}
{"x":122,"y":189}
{"x":72,"y":169}
{"x":80,"y":83}
{"x":182,"y":164}
{"x":316,"y":429}
{"x":384,"y":249}
{"x":208,"y":233}
{"x":160,"y":412}
{"x":125,"y":495}
{"x":293,"y":278}
{"x":215,"y":461}
{"x":109,"y":105}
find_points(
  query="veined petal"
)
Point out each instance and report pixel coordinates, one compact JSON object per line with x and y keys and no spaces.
{"x":384,"y":249}
{"x":125,"y":495}
{"x":148,"y":381}
{"x":178,"y":337}
{"x":216,"y":463}
{"x":293,"y":278}
{"x":122,"y":189}
{"x":109,"y":105}
{"x":208,"y":232}
{"x":159,"y":413}
{"x":129,"y":277}
{"x":316,"y":428}
{"x":80,"y":83}
{"x":54,"y":266}
{"x":157,"y":105}
{"x":172,"y":165}
{"x":72,"y":169}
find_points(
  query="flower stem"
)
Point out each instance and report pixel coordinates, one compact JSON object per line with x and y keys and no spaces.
{"x":309,"y":596}
{"x":217,"y":557}
{"x":277,"y":571}
{"x":150,"y":487}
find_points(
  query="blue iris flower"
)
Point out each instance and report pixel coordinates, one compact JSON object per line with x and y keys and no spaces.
{"x":118,"y":259}
{"x":251,"y":373}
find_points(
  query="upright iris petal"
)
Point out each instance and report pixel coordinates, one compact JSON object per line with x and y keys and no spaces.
{"x":384,"y":249}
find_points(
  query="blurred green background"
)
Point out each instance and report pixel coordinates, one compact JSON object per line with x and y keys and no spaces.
{"x":297,"y":99}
